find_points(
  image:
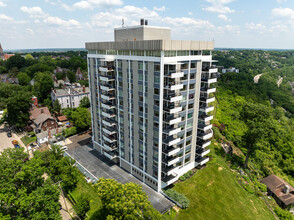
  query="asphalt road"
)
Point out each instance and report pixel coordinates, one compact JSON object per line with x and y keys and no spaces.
{"x":6,"y":142}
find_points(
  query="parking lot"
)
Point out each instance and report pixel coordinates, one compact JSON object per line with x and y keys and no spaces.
{"x":5,"y":141}
{"x":100,"y":166}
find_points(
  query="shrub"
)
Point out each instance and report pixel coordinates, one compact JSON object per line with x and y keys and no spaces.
{"x":186,"y":175}
{"x":70,"y":131}
{"x":262,"y":187}
{"x":182,"y":178}
{"x":82,"y":206}
{"x":178,"y":197}
{"x":283,"y":214}
{"x":32,"y":134}
{"x":190,"y":172}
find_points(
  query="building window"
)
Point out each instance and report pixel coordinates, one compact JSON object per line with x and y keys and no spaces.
{"x":156,"y":79}
{"x":157,"y":67}
{"x":156,"y":91}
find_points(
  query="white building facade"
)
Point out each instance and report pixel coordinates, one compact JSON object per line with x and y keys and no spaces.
{"x":152,"y":102}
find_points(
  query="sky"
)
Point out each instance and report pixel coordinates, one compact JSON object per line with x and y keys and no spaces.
{"x":30,"y":24}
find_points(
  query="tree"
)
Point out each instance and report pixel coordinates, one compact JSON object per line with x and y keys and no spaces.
{"x":71,"y":76}
{"x":18,"y":107}
{"x":29,"y":60}
{"x":24,"y":192}
{"x":259,"y":121}
{"x":81,"y":118}
{"x":43,"y":85}
{"x":57,"y":106}
{"x":85,"y":102}
{"x":23,"y":79}
{"x":124,"y":201}
{"x":82,"y":206}
{"x":15,"y":61}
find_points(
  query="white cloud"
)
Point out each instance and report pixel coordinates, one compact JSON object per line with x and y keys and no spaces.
{"x":224,"y":17}
{"x":30,"y":31}
{"x":190,"y":13}
{"x":283,"y":13}
{"x":281,"y":1}
{"x":159,"y":9}
{"x":2,"y":4}
{"x":260,"y":28}
{"x":91,"y":4}
{"x":34,"y":12}
{"x":65,"y":23}
{"x":188,"y":22}
{"x":4,"y":17}
{"x":218,"y":6}
{"x":235,"y":29}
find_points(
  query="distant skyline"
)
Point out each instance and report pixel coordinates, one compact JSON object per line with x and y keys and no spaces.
{"x":33,"y":24}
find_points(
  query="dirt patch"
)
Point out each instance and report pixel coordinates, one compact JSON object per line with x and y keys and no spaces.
{"x":176,"y":208}
{"x":210,"y":183}
{"x":215,"y":143}
{"x":220,"y":168}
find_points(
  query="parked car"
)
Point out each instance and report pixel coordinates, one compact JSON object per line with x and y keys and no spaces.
{"x":9,"y":134}
{"x":64,"y":148}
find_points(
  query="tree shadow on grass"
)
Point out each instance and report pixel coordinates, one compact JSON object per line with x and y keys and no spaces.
{"x":98,"y":215}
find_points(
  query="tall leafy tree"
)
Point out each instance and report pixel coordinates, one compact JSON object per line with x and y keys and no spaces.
{"x":57,"y":106}
{"x":81,"y":118}
{"x":124,"y":201}
{"x":23,"y":79}
{"x":18,"y":106}
{"x":43,"y":85}
{"x":24,"y":193}
{"x":85,"y":102}
{"x":15,"y":61}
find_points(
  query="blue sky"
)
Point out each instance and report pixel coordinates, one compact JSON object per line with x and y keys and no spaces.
{"x":64,"y":23}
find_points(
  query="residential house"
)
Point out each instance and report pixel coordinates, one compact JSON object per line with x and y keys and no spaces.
{"x":41,"y":119}
{"x":280,"y":190}
{"x":70,"y":97}
{"x":49,"y":136}
{"x":230,"y":70}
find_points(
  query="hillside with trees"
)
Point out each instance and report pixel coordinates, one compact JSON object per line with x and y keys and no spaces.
{"x":258,"y":117}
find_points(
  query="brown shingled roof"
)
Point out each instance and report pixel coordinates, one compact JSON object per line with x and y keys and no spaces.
{"x":35,"y":112}
{"x":276,"y":185}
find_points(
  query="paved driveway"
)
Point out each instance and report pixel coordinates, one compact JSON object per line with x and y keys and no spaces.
{"x":6,"y":142}
{"x":100,"y":166}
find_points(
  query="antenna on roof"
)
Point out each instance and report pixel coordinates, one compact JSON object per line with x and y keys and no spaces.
{"x":122,"y":22}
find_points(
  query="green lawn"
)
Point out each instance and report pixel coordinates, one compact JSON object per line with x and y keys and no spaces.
{"x":27,"y":140}
{"x":214,"y":193}
{"x":85,"y":188}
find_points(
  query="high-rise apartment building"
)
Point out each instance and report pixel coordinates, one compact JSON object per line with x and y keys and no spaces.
{"x":151,"y":101}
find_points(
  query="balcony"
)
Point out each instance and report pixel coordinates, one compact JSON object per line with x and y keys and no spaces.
{"x":106,"y":78}
{"x":205,"y":135}
{"x":205,"y":118}
{"x":109,"y":139}
{"x":202,"y":152}
{"x":108,"y":114}
{"x":206,"y":109}
{"x":172,"y":160}
{"x":105,"y":69}
{"x":108,"y":123}
{"x":110,"y":155}
{"x":109,"y":105}
{"x":203,"y":144}
{"x":208,"y":90}
{"x":209,"y":81}
{"x":175,"y":121}
{"x":204,"y":127}
{"x":172,"y":150}
{"x":109,"y":131}
{"x":175,"y":109}
{"x":109,"y":147}
{"x":213,"y":70}
{"x":175,"y":75}
{"x":171,"y":140}
{"x":106,"y":88}
{"x":207,"y":100}
{"x":171,"y":131}
{"x":201,"y":160}
{"x":170,"y":179}
{"x":107,"y":97}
